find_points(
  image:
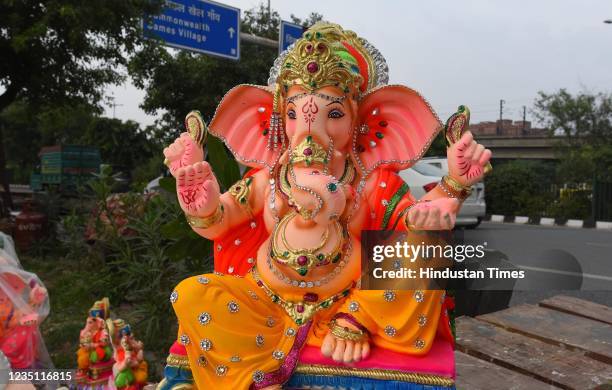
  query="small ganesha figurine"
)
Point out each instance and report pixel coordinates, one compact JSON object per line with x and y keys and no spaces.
{"x":325,"y":141}
{"x":130,"y":371}
{"x":24,"y":304}
{"x":94,"y":356}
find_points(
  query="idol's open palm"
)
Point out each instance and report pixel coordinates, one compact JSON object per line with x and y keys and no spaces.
{"x":197,"y":189}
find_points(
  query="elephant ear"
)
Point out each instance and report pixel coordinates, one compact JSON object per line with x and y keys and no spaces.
{"x":399,"y":127}
{"x":242,"y":122}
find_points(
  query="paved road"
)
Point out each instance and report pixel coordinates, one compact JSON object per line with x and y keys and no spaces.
{"x":564,"y":258}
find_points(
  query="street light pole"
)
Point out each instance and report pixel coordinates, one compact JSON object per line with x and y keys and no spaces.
{"x":501,"y":115}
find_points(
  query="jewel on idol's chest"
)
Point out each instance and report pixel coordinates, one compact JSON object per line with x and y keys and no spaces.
{"x":301,"y":260}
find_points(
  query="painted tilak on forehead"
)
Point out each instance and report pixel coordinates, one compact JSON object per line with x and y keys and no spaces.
{"x":310,"y":110}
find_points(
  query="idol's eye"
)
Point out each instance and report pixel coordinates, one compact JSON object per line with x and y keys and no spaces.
{"x":291,"y":113}
{"x":335,"y":114}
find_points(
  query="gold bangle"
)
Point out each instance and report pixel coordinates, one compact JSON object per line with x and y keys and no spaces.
{"x":345,"y":333}
{"x":206,"y":222}
{"x":451,"y":192}
{"x":454,"y":184}
{"x":454,"y":189}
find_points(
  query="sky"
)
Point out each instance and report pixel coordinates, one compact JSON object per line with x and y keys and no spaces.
{"x":471,"y":52}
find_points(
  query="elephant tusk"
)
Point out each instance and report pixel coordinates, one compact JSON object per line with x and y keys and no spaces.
{"x":196,"y":127}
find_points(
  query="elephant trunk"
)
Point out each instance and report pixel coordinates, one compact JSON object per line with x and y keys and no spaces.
{"x":319,"y":193}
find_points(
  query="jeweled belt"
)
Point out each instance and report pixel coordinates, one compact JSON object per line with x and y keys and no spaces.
{"x":301,"y":311}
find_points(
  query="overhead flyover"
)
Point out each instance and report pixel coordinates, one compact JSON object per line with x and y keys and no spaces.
{"x":522,"y":148}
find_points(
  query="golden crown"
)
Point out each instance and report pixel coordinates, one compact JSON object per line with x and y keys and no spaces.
{"x":320,"y":59}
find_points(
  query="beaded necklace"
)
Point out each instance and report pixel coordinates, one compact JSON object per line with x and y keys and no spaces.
{"x":309,"y":284}
{"x":301,"y":311}
{"x":302,"y":260}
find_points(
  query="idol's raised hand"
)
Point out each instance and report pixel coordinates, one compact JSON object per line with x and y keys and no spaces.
{"x":467,"y":160}
{"x":183,"y":152}
{"x":197,"y":189}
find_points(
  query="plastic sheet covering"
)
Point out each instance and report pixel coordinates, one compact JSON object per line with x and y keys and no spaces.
{"x":24,"y":304}
{"x":7,"y":251}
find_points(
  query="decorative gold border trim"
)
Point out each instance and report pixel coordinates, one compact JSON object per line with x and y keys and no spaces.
{"x":177,"y":360}
{"x":393,"y":375}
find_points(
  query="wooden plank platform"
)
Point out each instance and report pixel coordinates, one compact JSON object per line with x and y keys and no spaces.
{"x":476,"y":374}
{"x":562,"y":343}
{"x":555,"y":327}
{"x":579,"y":307}
{"x":552,"y":364}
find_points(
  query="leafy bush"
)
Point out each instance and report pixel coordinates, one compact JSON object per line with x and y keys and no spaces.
{"x":519,"y":188}
{"x":138,"y":248}
{"x":572,"y":204}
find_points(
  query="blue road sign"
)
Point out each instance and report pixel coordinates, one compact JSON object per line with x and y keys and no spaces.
{"x":197,"y":25}
{"x":289,"y":33}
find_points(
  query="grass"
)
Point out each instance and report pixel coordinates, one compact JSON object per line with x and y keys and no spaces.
{"x":73,"y":287}
{"x":140,"y":249}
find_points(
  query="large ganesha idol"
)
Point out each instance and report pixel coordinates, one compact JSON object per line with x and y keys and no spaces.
{"x":324,"y":143}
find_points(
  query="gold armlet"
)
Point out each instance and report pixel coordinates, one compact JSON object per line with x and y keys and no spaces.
{"x":206,"y":222}
{"x":345,"y":333}
{"x":241,"y":191}
{"x":454,"y":189}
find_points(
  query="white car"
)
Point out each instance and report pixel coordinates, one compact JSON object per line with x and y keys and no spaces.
{"x":423,"y":176}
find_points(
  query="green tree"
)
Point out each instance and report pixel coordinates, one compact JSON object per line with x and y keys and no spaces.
{"x":27,"y":129}
{"x":581,"y":118}
{"x":124,"y":145}
{"x":585,"y":122}
{"x":61,"y":52}
{"x":57,"y":50}
{"x":18,"y":124}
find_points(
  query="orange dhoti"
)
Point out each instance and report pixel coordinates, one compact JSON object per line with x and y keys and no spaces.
{"x":239,"y":336}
